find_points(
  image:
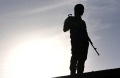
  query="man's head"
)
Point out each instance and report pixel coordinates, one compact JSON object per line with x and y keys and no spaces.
{"x":78,"y":10}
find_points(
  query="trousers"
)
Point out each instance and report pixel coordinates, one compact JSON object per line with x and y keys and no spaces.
{"x":79,"y":50}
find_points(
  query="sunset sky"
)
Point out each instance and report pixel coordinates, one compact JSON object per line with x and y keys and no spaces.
{"x":33,"y":44}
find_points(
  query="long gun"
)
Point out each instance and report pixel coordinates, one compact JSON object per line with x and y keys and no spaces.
{"x":94,"y":48}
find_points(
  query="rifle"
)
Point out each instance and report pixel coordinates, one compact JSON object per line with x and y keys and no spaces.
{"x":94,"y":48}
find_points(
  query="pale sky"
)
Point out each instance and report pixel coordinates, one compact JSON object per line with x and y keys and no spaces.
{"x":33,"y":44}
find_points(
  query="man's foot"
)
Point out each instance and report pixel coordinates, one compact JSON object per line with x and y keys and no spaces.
{"x":73,"y":76}
{"x":79,"y":75}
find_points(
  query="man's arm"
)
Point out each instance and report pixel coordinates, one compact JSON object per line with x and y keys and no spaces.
{"x":86,"y":33}
{"x":68,"y":23}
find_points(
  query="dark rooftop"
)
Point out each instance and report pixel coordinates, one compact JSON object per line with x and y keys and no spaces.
{"x":99,"y":74}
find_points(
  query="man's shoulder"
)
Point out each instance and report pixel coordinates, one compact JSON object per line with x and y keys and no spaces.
{"x":83,"y":21}
{"x":69,"y":19}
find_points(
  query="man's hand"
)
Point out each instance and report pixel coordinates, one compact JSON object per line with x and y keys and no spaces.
{"x":68,"y":23}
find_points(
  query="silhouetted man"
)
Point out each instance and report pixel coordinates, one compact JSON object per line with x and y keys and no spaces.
{"x":79,"y":39}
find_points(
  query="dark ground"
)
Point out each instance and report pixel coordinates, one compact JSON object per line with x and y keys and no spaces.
{"x":109,"y":73}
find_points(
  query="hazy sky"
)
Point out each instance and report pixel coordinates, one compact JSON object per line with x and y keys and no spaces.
{"x":33,"y":44}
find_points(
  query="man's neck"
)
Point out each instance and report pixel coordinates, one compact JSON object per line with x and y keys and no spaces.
{"x":78,"y":17}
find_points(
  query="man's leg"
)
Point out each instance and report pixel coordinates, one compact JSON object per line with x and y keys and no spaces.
{"x":74,"y":57}
{"x":80,"y":67}
{"x":82,"y":58}
{"x":73,"y":64}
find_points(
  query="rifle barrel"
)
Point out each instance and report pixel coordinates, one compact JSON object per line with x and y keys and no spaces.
{"x":95,"y":49}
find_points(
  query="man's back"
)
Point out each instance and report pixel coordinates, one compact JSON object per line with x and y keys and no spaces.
{"x":78,"y":30}
{"x":76,"y":26}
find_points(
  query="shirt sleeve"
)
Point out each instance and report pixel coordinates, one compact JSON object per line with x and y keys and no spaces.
{"x":86,"y":33}
{"x":67,"y":23}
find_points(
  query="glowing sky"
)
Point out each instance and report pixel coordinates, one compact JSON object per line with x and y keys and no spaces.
{"x":33,"y":44}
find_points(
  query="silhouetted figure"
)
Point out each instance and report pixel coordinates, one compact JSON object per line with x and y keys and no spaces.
{"x":79,"y":39}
